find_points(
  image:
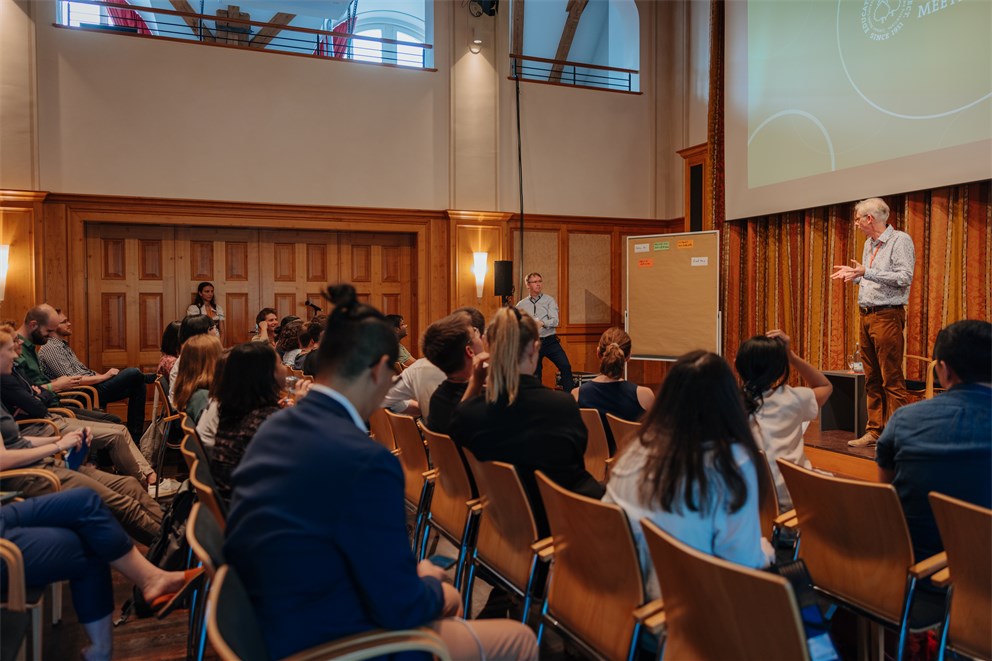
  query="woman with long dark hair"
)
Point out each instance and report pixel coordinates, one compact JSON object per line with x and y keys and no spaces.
{"x":692,"y":468}
{"x":206,"y":303}
{"x":778,"y":413}
{"x":518,"y":420}
{"x":247,"y":391}
{"x":169,"y":349}
{"x":610,"y":392}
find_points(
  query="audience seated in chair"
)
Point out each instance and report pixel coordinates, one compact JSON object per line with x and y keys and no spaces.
{"x":58,"y":359}
{"x":71,"y":536}
{"x":519,"y":421}
{"x":248,"y":391}
{"x":776,"y":410}
{"x":289,"y":345}
{"x":27,"y":402}
{"x":944,"y":444}
{"x":40,"y":325}
{"x":309,"y":341}
{"x":266,"y":321}
{"x":317,"y":528}
{"x":169,"y":348}
{"x":400,"y":328}
{"x":195,"y":374}
{"x":609,"y":392}
{"x":692,"y":470}
{"x":197,"y":324}
{"x":450,"y":344}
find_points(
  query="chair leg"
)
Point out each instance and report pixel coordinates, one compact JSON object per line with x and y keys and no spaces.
{"x":467,"y":541}
{"x":36,"y":643}
{"x":942,"y":646}
{"x":421,"y":545}
{"x":904,"y":622}
{"x":634,"y":640}
{"x":57,"y":601}
{"x":540,"y":621}
{"x":469,"y":584}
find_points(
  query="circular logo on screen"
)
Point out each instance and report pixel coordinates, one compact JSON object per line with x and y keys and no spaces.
{"x":881,"y":19}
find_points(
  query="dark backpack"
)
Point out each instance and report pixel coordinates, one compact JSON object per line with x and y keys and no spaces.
{"x":170,"y":550}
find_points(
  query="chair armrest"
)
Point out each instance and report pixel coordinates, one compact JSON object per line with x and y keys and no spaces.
{"x":41,"y":473}
{"x":378,"y":643}
{"x":40,"y":421}
{"x":92,"y":392}
{"x":74,"y":403}
{"x":77,"y":394}
{"x":930,"y":566}
{"x":651,"y":616}
{"x":16,"y":600}
{"x":61,"y":411}
{"x":430,"y":475}
{"x":788,"y":520}
{"x":544,"y":548}
{"x":942,"y":578}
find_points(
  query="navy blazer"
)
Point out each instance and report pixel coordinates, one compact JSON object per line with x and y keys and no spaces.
{"x":317,"y":531}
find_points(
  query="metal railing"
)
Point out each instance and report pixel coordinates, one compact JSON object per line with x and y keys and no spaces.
{"x":575,"y":74}
{"x":245,"y":33}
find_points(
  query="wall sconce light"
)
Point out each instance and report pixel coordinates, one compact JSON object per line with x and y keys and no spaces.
{"x":479,"y":267}
{"x":475,"y":46}
{"x":4,"y":263}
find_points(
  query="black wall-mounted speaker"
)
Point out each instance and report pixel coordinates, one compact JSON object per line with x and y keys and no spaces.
{"x":503,"y":277}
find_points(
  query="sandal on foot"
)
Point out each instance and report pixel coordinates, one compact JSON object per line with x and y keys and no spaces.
{"x":166,"y":603}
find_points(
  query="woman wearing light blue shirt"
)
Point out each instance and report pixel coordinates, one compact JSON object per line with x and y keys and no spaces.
{"x":693,"y":468}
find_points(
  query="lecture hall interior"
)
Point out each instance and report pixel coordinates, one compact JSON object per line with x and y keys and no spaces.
{"x":407,"y":147}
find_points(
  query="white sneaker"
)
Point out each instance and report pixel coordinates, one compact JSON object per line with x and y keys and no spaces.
{"x":866,"y":441}
{"x":166,"y":487}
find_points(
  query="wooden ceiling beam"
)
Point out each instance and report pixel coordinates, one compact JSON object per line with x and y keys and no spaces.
{"x":574,"y":9}
{"x":517,"y":47}
{"x":267,"y":34}
{"x":194,"y":25}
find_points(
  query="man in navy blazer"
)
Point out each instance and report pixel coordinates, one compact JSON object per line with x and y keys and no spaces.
{"x":317,"y":528}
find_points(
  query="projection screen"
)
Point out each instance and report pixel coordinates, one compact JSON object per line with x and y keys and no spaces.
{"x":835,"y":100}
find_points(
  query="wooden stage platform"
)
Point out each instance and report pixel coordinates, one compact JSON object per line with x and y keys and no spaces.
{"x":828,"y":451}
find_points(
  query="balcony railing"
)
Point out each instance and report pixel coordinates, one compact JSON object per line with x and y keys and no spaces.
{"x":572,"y":74}
{"x":173,"y":25}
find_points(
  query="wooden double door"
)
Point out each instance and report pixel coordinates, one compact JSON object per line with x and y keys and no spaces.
{"x":140,"y":278}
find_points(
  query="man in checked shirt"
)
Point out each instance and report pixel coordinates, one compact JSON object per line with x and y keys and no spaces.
{"x":544,"y":309}
{"x":883,"y":276}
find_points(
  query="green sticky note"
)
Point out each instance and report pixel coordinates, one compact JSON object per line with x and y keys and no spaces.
{"x":661,"y":245}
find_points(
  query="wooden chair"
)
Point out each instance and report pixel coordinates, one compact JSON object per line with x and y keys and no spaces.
{"x":165,"y":415}
{"x":506,"y":545}
{"x":419,"y":478}
{"x":191,"y":447}
{"x":206,"y":490}
{"x":595,"y":583}
{"x":452,"y":510}
{"x":623,"y":431}
{"x":26,"y":422}
{"x":235,"y":631}
{"x":928,"y":386}
{"x":86,"y":397}
{"x":14,"y":619}
{"x":856,"y":545}
{"x":382,"y":433}
{"x":597,"y":448}
{"x":205,"y":535}
{"x":716,"y":609}
{"x":772,"y":519}
{"x":966,"y":531}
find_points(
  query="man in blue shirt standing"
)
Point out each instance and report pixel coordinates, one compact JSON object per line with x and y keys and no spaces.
{"x":544,"y":309}
{"x":944,"y":444}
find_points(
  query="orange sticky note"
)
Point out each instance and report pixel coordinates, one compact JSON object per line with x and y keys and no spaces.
{"x":687,"y":243}
{"x":645,"y":263}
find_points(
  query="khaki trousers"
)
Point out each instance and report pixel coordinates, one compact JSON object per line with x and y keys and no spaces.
{"x":125,"y":455}
{"x":499,"y":640}
{"x":882,"y":350}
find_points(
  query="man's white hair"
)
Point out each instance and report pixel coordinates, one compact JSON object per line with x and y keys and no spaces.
{"x":874,"y":207}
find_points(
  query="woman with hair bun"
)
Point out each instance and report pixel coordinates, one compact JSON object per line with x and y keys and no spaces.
{"x":317,"y":527}
{"x":609,"y":392}
{"x":518,"y":420}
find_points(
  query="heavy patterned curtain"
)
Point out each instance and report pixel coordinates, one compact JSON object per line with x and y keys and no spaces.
{"x":777,"y":272}
{"x":127,"y":18}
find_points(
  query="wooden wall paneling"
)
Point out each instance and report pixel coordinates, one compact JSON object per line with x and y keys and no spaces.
{"x":589,"y":278}
{"x":20,"y":221}
{"x":201,"y":261}
{"x":436,"y":266}
{"x":301,"y":266}
{"x":470,"y":238}
{"x":54,"y":263}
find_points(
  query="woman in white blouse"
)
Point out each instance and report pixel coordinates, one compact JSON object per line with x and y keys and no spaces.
{"x":206,"y":303}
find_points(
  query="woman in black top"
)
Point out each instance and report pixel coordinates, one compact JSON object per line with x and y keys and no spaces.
{"x":609,"y":392}
{"x":518,"y":420}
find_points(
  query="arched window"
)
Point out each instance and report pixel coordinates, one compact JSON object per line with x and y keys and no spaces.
{"x":398,"y":20}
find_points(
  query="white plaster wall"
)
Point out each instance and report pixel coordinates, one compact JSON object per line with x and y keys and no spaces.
{"x":127,"y":116}
{"x":18,"y":129}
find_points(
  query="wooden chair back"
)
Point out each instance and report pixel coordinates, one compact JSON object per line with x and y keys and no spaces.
{"x":623,"y":431}
{"x":597,"y":448}
{"x":205,"y":535}
{"x":382,"y":433}
{"x":234,"y":631}
{"x":15,"y":622}
{"x":507,"y":528}
{"x":768,"y":499}
{"x":929,"y":384}
{"x":854,"y":538}
{"x":190,"y":447}
{"x":413,"y":454}
{"x":595,"y":581}
{"x":206,"y":490}
{"x":452,"y":488}
{"x":966,"y":531}
{"x":16,"y":600}
{"x":716,"y":609}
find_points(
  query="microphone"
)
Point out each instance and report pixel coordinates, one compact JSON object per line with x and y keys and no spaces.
{"x":313,"y":306}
